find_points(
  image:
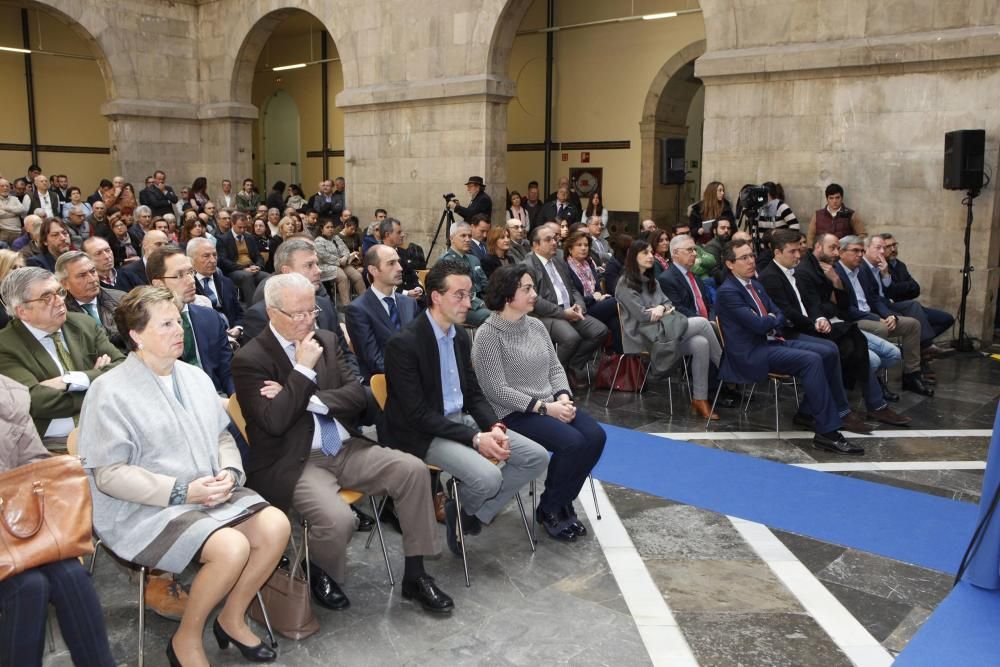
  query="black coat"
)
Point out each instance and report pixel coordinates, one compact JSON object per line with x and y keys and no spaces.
{"x":159,"y":203}
{"x":228,"y":254}
{"x":570,"y":213}
{"x":481,"y":203}
{"x":904,"y":287}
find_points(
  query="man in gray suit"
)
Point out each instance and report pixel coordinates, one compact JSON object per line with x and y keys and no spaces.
{"x":560,"y":306}
{"x":76,"y":272}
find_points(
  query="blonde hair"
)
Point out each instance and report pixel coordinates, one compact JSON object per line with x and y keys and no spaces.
{"x":10,"y":260}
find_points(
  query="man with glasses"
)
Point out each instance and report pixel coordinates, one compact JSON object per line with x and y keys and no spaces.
{"x":519,"y":246}
{"x":240,"y":258}
{"x":303,"y":405}
{"x":752,"y":327}
{"x":206,"y":343}
{"x":461,"y":252}
{"x":54,"y":353}
{"x":84,"y":294}
{"x":392,"y":236}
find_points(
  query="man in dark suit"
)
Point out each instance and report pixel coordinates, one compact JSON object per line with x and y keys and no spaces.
{"x":302,"y":405}
{"x":561,"y":208}
{"x":905,"y":287}
{"x":103,"y":257}
{"x":206,"y":344}
{"x":134,"y":274}
{"x":43,"y":197}
{"x":436,"y":410}
{"x":479,"y":201}
{"x":392,"y":236}
{"x":158,"y":196}
{"x":561,"y":307}
{"x":805,"y":319}
{"x":681,"y":286}
{"x":379,"y":313}
{"x":240,"y":258}
{"x":867,"y":307}
{"x":329,"y":202}
{"x":53,"y":238}
{"x":571,"y":196}
{"x":84,"y":293}
{"x":480,"y":225}
{"x":752,"y":325}
{"x":54,"y":353}
{"x":210,"y":283}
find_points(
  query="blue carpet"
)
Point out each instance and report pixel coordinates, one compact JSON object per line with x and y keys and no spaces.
{"x":909,"y":526}
{"x":961,"y":631}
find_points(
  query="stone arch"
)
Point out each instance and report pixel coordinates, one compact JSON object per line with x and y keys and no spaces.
{"x":664,"y":114}
{"x":508,"y":20}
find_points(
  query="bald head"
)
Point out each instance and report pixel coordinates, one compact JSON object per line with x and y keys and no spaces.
{"x":153,"y":240}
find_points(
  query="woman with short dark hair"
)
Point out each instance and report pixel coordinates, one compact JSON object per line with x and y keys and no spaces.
{"x":586,"y":278}
{"x":497,"y":248}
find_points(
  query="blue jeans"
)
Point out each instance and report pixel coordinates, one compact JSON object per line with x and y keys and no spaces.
{"x":881,"y":353}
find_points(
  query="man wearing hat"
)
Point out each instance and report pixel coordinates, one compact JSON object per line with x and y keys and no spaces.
{"x":480,"y":202}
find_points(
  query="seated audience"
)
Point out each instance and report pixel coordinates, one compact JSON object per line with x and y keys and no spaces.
{"x":380,"y":312}
{"x":436,"y":411}
{"x":125,"y":246}
{"x":650,"y":323}
{"x":335,"y":264}
{"x":247,"y":200}
{"x":167,"y":480}
{"x":100,"y":253}
{"x":704,"y":262}
{"x":679,"y":283}
{"x":752,"y":324}
{"x":834,"y":218}
{"x":392,"y":234}
{"x":723,"y":228}
{"x":286,"y":230}
{"x":240,"y":258}
{"x":519,"y":245}
{"x":586,"y":279}
{"x":480,"y":224}
{"x":64,"y":584}
{"x":562,"y":208}
{"x":461,"y":252}
{"x":659,"y":243}
{"x":210,"y":282}
{"x":498,"y":253}
{"x":11,"y":212}
{"x":904,"y":286}
{"x":27,"y":242}
{"x":349,"y":233}
{"x":561,"y":307}
{"x":524,"y":382}
{"x":613,"y":269}
{"x":9,"y":260}
{"x":600,"y":249}
{"x":263,"y":239}
{"x":53,"y":240}
{"x":84,"y":293}
{"x":303,"y":405}
{"x":518,"y":212}
{"x":75,"y":221}
{"x":134,"y":274}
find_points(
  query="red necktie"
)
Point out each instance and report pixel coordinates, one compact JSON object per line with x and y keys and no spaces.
{"x":760,"y":304}
{"x":702,"y":310}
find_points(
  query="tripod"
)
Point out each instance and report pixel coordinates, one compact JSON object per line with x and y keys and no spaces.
{"x":964,"y":343}
{"x":448,"y":215}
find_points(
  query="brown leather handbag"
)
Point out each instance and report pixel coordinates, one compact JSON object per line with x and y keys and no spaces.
{"x":45,"y":514}
{"x":289,"y":605}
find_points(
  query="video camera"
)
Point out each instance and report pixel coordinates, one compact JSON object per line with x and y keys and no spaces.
{"x":448,"y":197}
{"x":752,"y":197}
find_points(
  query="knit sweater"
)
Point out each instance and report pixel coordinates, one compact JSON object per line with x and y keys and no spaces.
{"x":516,"y":364}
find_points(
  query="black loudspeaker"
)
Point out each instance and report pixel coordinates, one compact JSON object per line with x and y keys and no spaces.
{"x":963,"y":159}
{"x":672,"y":161}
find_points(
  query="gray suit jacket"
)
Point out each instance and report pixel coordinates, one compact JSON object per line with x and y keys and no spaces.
{"x":547,"y":304}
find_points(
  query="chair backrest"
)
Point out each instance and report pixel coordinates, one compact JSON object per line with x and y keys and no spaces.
{"x":236,"y":414}
{"x":422,"y":275}
{"x":379,"y":390}
{"x":71,"y":441}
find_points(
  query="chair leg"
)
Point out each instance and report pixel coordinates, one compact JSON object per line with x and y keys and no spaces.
{"x":378,"y":513}
{"x":749,"y":398}
{"x":93,"y":559}
{"x":52,"y":638}
{"x":670,"y":395}
{"x":687,"y":378}
{"x":267,"y":620}
{"x":614,"y":379}
{"x":142,"y":611}
{"x":645,"y":376}
{"x":534,"y":498}
{"x":593,"y":491}
{"x":795,"y":387}
{"x":777,"y":422}
{"x":524,"y":519}
{"x":305,"y":549}
{"x":461,"y":531}
{"x":714,"y":401}
{"x":381,"y":540}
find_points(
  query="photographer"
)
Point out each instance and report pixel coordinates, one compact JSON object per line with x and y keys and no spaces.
{"x":480,"y":202}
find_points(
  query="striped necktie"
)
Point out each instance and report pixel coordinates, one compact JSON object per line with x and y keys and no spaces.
{"x":62,"y":352}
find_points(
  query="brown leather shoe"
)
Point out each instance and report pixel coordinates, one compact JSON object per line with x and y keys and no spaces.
{"x":703,"y":409}
{"x":439,"y":500}
{"x":853,"y":423}
{"x":889,"y":416}
{"x":166,"y":597}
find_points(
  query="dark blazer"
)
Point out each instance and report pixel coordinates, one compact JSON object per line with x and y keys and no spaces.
{"x":214,"y":351}
{"x":612,"y":272}
{"x":42,"y":260}
{"x":160,"y":203}
{"x":228,"y":253}
{"x":481,"y":203}
{"x":107,"y":302}
{"x":56,"y":200}
{"x":809,"y":275}
{"x":745,"y":331}
{"x":678,"y":290}
{"x":904,"y":287}
{"x":783,"y":294}
{"x":491,"y":263}
{"x":879,"y":308}
{"x":327,"y":209}
{"x":229,"y":302}
{"x":478,"y":249}
{"x":414,"y":408}
{"x":547,"y":304}
{"x":118,"y":248}
{"x":256,"y":322}
{"x":132,"y":275}
{"x":578,"y":284}
{"x":23,"y":359}
{"x":370,"y":329}
{"x":571,"y":213}
{"x":280,"y":429}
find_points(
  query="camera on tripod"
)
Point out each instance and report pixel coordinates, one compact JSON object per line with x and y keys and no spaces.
{"x":448,"y":198}
{"x":752,"y":197}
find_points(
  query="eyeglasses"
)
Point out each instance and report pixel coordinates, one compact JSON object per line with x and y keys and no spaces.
{"x":460,"y":295}
{"x":181,"y":275}
{"x":300,"y":317}
{"x":49,"y":298}
{"x":852,"y":250}
{"x":890,"y":246}
{"x":747,"y":256}
{"x":691,"y":249}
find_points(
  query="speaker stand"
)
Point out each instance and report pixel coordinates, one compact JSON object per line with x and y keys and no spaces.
{"x":964,"y":343}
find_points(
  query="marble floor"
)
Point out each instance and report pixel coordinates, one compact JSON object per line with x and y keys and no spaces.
{"x":717,"y":579}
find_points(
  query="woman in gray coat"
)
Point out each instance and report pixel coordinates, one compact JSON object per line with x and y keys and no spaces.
{"x":167,"y":479}
{"x":650,"y":323}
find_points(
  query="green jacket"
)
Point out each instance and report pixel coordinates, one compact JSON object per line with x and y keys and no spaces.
{"x":23,"y":359}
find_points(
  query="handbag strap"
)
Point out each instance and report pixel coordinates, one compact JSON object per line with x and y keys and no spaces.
{"x":39,"y":492}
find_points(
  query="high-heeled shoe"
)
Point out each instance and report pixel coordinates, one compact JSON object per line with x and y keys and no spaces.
{"x":701,"y":408}
{"x":258,"y":653}
{"x":171,"y":656}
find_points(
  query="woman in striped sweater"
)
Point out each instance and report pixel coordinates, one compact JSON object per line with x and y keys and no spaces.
{"x":521,"y":377}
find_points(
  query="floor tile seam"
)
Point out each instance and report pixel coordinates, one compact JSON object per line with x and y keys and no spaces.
{"x":643,"y":598}
{"x":807,"y":435}
{"x":891,"y":466}
{"x":828,"y":612}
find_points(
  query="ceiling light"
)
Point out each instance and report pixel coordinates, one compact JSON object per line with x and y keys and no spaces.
{"x":284,"y":67}
{"x":662,"y":15}
{"x":14,"y":50}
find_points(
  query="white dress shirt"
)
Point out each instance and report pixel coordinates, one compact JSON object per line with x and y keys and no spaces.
{"x":78,"y":381}
{"x":557,"y":282}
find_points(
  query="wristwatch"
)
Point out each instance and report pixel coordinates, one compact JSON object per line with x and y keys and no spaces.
{"x":67,"y":379}
{"x":542,"y":410}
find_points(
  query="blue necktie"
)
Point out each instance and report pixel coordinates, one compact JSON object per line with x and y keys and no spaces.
{"x":208,"y":291}
{"x":329,"y":436}
{"x":393,"y":313}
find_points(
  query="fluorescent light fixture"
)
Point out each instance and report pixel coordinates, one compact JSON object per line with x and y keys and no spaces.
{"x":284,"y":67}
{"x":662,"y":15}
{"x":14,"y":50}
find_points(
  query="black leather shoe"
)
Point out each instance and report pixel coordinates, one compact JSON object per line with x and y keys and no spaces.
{"x":365,"y":522}
{"x":802,"y":419}
{"x":725,"y":402}
{"x":171,"y":656}
{"x":423,"y":590}
{"x":258,"y":653}
{"x":890,"y":396}
{"x":574,"y":521}
{"x":836,"y":443}
{"x":325,"y":590}
{"x":451,"y":527}
{"x":913,"y":382}
{"x":555,"y":526}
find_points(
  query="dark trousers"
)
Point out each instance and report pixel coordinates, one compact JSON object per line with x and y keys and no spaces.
{"x":807,"y":365}
{"x":607,"y":312}
{"x":830,"y":354}
{"x":576,"y":447}
{"x":939,"y":320}
{"x":24,"y":607}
